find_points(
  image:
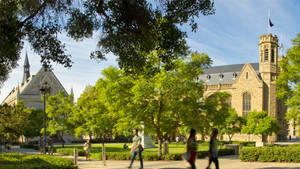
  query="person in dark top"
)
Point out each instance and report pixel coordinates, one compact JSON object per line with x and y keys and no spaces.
{"x":213,"y":149}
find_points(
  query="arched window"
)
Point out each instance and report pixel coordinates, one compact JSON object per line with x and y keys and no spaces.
{"x":272,"y":56}
{"x":266,"y":54}
{"x":246,"y":104}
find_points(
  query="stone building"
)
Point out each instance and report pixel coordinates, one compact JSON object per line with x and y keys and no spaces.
{"x":29,"y":89}
{"x":252,"y":86}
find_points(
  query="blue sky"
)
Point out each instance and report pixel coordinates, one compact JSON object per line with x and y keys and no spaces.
{"x":228,"y":37}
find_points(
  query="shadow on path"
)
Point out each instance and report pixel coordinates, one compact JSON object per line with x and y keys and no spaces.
{"x":280,"y":168}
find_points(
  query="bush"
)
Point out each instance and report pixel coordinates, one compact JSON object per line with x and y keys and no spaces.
{"x":270,"y":154}
{"x":69,"y":151}
{"x":29,"y":146}
{"x":21,"y":161}
{"x":153,"y":156}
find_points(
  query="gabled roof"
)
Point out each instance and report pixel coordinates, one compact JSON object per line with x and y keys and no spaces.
{"x":224,"y":74}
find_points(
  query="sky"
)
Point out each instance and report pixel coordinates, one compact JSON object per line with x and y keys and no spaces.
{"x":228,"y":37}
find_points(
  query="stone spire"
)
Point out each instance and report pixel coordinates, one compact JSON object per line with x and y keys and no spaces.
{"x":26,"y":74}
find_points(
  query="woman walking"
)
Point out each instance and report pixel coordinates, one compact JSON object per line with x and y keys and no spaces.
{"x":192,"y":148}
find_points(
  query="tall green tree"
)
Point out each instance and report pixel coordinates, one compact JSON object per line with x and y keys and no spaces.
{"x":35,"y":123}
{"x":288,"y":82}
{"x":233,"y":124}
{"x":259,"y":123}
{"x":13,"y":120}
{"x":59,"y":110}
{"x":217,"y":110}
{"x":95,"y":115}
{"x":169,"y":98}
{"x":129,"y":28}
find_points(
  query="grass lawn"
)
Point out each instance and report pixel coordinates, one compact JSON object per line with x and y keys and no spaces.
{"x":173,"y":148}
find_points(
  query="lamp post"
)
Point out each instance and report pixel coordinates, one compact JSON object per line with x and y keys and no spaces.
{"x":45,"y":88}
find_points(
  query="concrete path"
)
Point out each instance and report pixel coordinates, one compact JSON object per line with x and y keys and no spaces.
{"x":228,"y":162}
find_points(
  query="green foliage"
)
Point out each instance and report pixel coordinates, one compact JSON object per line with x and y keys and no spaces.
{"x":69,"y":151}
{"x":132,"y":29}
{"x":288,"y":82}
{"x":13,"y":120}
{"x":59,"y":110}
{"x":96,"y":112}
{"x":270,"y":154}
{"x":35,"y":123}
{"x":21,"y":161}
{"x":233,"y":124}
{"x":259,"y":123}
{"x":216,"y":111}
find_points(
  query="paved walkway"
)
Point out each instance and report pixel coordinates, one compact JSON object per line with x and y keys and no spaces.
{"x":229,"y":162}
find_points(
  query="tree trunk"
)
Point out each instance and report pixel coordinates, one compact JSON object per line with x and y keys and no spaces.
{"x":159,"y":146}
{"x":230,"y":138}
{"x":62,"y":139}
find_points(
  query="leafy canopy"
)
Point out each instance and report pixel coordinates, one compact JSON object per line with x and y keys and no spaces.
{"x":288,"y":82}
{"x":259,"y":123}
{"x":130,"y":29}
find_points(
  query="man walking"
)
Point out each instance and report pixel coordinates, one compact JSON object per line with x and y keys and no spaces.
{"x":136,"y":149}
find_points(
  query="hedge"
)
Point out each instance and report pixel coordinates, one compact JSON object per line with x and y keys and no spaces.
{"x":148,"y":156}
{"x":271,"y":154}
{"x":21,"y":161}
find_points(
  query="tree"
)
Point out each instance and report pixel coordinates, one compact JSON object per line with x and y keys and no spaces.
{"x":233,"y":124}
{"x":259,"y":123}
{"x":129,"y":29}
{"x":168,"y":99}
{"x":95,"y":115}
{"x":288,"y":82}
{"x":35,"y":123}
{"x":59,"y":110}
{"x":216,"y":110}
{"x":13,"y":119}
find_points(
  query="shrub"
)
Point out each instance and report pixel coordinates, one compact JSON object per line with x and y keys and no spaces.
{"x":69,"y":151}
{"x":153,"y":156}
{"x":21,"y":161}
{"x":271,"y":154}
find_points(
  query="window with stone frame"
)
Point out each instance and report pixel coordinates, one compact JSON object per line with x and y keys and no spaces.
{"x":246,"y":104}
{"x":272,"y":56}
{"x":266,"y":54}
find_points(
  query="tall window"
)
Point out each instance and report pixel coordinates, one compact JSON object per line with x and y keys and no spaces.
{"x":272,"y":56}
{"x":266,"y":54}
{"x":246,"y":104}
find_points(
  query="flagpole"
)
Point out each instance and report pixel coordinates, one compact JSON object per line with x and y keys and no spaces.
{"x":268,"y":20}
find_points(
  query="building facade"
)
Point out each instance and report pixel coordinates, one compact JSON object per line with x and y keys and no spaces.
{"x":252,"y":86}
{"x":29,"y":89}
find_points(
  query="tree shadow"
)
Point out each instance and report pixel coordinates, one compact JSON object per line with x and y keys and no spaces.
{"x":280,"y":168}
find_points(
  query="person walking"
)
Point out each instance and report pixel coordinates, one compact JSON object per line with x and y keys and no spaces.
{"x":213,"y":149}
{"x":50,"y":146}
{"x":41,"y":145}
{"x":136,"y":148}
{"x":177,"y":140}
{"x":87,"y":149}
{"x":192,"y":148}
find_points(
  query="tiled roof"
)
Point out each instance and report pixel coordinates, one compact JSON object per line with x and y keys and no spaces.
{"x":224,"y":74}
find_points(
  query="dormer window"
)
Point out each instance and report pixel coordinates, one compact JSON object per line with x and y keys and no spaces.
{"x":221,"y":75}
{"x":208,"y":77}
{"x":234,"y":75}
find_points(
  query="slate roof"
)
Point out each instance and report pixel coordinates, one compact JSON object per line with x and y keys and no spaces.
{"x":224,"y":74}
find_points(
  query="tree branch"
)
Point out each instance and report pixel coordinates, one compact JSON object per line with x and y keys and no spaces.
{"x":34,"y":14}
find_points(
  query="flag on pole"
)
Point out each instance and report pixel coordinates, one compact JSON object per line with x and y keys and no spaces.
{"x":270,"y":23}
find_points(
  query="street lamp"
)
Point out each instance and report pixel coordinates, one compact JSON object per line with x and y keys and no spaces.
{"x":45,"y":88}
